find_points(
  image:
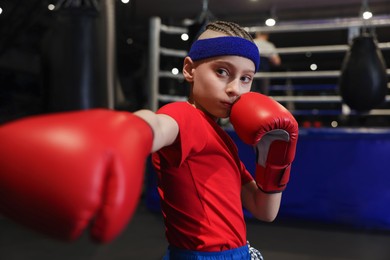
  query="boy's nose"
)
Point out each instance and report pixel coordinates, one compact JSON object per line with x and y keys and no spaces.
{"x":233,"y":88}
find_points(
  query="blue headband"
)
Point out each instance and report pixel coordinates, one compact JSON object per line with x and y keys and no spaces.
{"x":226,"y":45}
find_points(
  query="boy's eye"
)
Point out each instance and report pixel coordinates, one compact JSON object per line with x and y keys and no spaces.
{"x":222,"y":72}
{"x":246,"y":79}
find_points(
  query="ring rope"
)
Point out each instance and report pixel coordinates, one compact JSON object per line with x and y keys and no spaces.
{"x":276,"y":75}
{"x":302,"y":112}
{"x":303,"y":26}
{"x":322,"y":25}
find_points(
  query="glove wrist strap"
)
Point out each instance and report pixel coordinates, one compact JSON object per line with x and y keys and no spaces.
{"x":272,"y":178}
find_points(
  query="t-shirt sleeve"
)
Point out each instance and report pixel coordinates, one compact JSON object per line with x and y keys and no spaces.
{"x":191,"y":137}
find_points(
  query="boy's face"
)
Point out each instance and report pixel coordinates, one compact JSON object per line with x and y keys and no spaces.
{"x":218,"y":82}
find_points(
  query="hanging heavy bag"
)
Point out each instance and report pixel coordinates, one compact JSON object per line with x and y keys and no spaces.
{"x":363,"y":80}
{"x":77,"y":65}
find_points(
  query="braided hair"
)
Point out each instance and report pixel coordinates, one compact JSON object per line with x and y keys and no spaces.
{"x":230,"y":29}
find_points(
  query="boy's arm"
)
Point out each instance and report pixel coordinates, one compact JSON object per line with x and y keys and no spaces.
{"x":165,"y":128}
{"x":261,"y":205}
{"x":64,"y":173}
{"x":272,"y":130}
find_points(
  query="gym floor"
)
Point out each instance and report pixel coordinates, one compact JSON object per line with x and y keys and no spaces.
{"x":144,"y":239}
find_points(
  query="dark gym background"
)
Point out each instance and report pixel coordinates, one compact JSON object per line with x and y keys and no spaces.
{"x":23,"y":23}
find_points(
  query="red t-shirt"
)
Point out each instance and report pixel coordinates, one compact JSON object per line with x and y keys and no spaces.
{"x":199,"y":181}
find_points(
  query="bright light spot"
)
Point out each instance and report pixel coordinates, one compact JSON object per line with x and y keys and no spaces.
{"x":1,"y":10}
{"x":334,"y":124}
{"x":270,"y":22}
{"x":125,"y":1}
{"x":185,"y":37}
{"x":51,"y":7}
{"x":175,"y":71}
{"x":367,"y":15}
{"x":313,"y":66}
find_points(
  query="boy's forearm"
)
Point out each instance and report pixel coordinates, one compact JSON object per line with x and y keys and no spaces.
{"x":165,"y":128}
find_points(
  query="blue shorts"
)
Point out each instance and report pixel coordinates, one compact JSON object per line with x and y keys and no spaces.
{"x":241,"y":253}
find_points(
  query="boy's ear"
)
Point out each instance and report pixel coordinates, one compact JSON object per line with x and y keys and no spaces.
{"x":188,"y":67}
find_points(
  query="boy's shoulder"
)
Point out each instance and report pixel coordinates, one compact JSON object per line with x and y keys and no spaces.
{"x":178,"y":105}
{"x":181,"y":110}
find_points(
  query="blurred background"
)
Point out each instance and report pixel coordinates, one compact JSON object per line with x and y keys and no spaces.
{"x":309,"y":36}
{"x":127,"y":54}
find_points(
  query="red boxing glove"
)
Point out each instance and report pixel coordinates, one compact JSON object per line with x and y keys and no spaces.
{"x":63,"y":173}
{"x":261,"y":121}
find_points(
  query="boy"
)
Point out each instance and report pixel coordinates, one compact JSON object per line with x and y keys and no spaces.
{"x":201,"y":181}
{"x":84,"y":169}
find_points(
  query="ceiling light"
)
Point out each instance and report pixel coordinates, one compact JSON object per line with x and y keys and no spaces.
{"x":175,"y":71}
{"x":51,"y":7}
{"x":185,"y":37}
{"x":365,"y":10}
{"x":270,"y":22}
{"x":367,"y":15}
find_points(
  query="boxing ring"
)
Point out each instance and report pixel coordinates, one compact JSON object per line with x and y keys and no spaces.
{"x":340,"y":174}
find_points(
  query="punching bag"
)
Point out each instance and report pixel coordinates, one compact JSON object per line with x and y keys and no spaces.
{"x":78,"y":57}
{"x":363,"y":80}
